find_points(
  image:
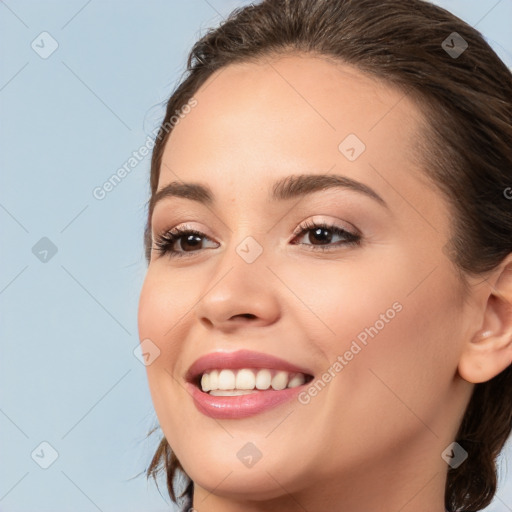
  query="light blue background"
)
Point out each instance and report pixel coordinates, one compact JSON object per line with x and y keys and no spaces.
{"x":69,"y":326}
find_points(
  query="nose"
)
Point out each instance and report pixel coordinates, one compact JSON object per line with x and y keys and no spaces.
{"x":239,"y":294}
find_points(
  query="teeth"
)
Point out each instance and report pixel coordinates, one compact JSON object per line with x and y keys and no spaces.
{"x":244,"y":379}
{"x":226,"y":382}
{"x":298,"y":380}
{"x":279,"y":380}
{"x":226,"y":379}
{"x":263,"y":379}
{"x":205,"y":382}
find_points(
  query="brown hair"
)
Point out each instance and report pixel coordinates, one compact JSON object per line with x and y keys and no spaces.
{"x":466,"y":152}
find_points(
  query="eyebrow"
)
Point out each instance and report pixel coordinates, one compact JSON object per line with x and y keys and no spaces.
{"x":286,"y":188}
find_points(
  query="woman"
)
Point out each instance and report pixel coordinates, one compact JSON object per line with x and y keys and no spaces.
{"x":329,"y":242}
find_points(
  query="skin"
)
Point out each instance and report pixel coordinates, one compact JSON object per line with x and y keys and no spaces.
{"x":372,"y":438}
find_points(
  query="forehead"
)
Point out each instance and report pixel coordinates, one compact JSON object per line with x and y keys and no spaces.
{"x":257,"y":121}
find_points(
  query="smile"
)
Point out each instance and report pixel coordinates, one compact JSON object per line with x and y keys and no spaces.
{"x":230,"y":385}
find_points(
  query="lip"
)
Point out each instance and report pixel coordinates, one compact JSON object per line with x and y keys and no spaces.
{"x":242,"y":406}
{"x":238,"y":360}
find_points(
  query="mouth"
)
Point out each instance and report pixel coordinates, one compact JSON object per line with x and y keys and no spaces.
{"x":231,"y":385}
{"x":244,"y":381}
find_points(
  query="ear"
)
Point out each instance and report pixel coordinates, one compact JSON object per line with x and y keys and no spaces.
{"x":489,"y":351}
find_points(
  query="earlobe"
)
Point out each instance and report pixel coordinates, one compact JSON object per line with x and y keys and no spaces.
{"x":489,"y":351}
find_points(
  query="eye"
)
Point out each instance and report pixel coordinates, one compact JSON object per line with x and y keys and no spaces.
{"x":323,"y":234}
{"x":189,"y":239}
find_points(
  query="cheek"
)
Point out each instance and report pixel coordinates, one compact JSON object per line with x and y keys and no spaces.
{"x":397,"y":334}
{"x":162,"y":316}
{"x":403,"y":367}
{"x":165,"y":304}
{"x":338,"y":300}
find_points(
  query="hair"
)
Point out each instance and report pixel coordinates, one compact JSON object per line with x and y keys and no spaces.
{"x":466,"y":151}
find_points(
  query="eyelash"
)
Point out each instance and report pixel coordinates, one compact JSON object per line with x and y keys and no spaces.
{"x":165,"y":241}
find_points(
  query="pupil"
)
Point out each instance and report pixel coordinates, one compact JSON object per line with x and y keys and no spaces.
{"x":190,"y":238}
{"x":320,"y":233}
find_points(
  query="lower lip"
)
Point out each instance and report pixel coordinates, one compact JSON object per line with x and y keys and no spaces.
{"x":241,"y":406}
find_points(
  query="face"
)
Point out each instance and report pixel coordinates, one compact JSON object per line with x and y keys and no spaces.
{"x":349,"y":284}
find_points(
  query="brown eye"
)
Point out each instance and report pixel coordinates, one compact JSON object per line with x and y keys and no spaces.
{"x":189,"y":240}
{"x":320,"y":236}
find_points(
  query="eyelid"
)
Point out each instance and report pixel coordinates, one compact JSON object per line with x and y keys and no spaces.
{"x":182,"y":226}
{"x":316,"y":219}
{"x":347,"y":226}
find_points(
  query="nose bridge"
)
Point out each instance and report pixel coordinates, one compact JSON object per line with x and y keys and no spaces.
{"x":249,"y":233}
{"x":253,"y":245}
{"x":246,"y":259}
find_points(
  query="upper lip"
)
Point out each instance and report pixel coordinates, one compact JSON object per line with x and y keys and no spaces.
{"x":238,"y":360}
